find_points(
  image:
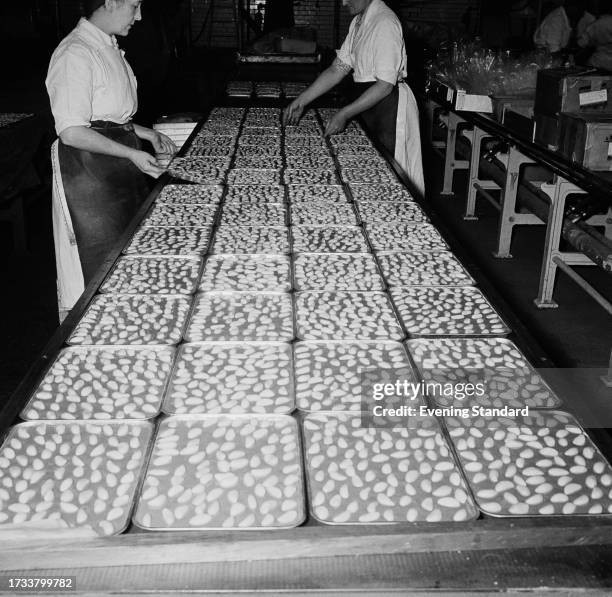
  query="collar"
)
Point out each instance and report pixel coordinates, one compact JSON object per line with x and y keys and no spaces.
{"x":95,"y":35}
{"x":373,"y":8}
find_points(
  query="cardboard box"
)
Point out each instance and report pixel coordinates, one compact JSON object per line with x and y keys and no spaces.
{"x":520,"y":103}
{"x":573,"y":90}
{"x":587,"y":140}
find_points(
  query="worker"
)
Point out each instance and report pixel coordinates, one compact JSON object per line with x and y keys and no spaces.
{"x":99,"y":164}
{"x":555,"y":30}
{"x":374,"y":50}
{"x":598,"y":35}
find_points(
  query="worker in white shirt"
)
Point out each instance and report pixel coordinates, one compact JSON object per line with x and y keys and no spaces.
{"x":99,"y":165}
{"x":555,"y":30}
{"x":374,"y":50}
{"x":598,"y":35}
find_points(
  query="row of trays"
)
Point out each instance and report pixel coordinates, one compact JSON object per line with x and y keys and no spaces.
{"x":139,"y":382}
{"x":283,"y":317}
{"x":280,"y":273}
{"x":250,"y":472}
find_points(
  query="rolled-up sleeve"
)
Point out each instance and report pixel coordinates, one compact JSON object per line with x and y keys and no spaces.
{"x":388,"y":46}
{"x":70,"y":86}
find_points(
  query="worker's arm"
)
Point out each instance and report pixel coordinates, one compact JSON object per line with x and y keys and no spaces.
{"x":328,"y":79}
{"x":87,"y":139}
{"x":161,"y":143}
{"x":369,"y":98}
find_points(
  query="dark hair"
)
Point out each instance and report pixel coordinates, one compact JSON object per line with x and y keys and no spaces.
{"x":91,"y":6}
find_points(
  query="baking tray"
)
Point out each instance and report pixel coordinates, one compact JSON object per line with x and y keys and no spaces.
{"x":420,"y":236}
{"x":304,"y":141}
{"x":328,"y":375}
{"x":247,"y":272}
{"x":306,"y":151}
{"x":323,"y":213}
{"x":126,"y":319}
{"x":232,"y":378}
{"x":367,"y":162}
{"x":371,"y":175}
{"x":329,"y":239}
{"x":318,"y":176}
{"x":252,"y":214}
{"x":542,"y":464}
{"x":259,"y":141}
{"x":265,"y":240}
{"x":345,"y":147}
{"x":259,"y":152}
{"x":449,"y":311}
{"x":177,"y":241}
{"x":321,"y":161}
{"x":509,"y":379}
{"x":223,"y":472}
{"x":181,"y":194}
{"x":386,"y":475}
{"x":197,"y":216}
{"x":259,"y":162}
{"x":201,"y":151}
{"x":336,"y":271}
{"x":254,"y":316}
{"x":255,"y":194}
{"x":102,"y":382}
{"x":193,"y":169}
{"x":324,"y":192}
{"x":79,"y":474}
{"x":342,"y":315}
{"x":153,"y":275}
{"x":439,"y":268}
{"x":350,"y":141}
{"x":390,"y":212}
{"x":380,"y":192}
{"x":253,"y":176}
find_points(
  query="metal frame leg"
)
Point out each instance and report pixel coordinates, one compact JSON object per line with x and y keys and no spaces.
{"x":450,"y":163}
{"x":558,"y":193}
{"x":508,"y":216}
{"x":474,"y":183}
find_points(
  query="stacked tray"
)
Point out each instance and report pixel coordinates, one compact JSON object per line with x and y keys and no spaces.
{"x":120,"y":319}
{"x":153,"y":275}
{"x":336,"y":271}
{"x":250,"y":214}
{"x":509,"y":379}
{"x":343,"y":315}
{"x":78,"y":474}
{"x":329,"y":239}
{"x":423,"y":269}
{"x":232,"y":378}
{"x":390,"y":212}
{"x":329,"y":376}
{"x":250,"y":316}
{"x":251,"y":176}
{"x":179,"y":194}
{"x":251,"y":239}
{"x":167,"y":215}
{"x":106,"y":382}
{"x":247,"y":272}
{"x":239,"y":88}
{"x":360,"y":475}
{"x":420,"y":236}
{"x":380,"y":192}
{"x":452,"y":311}
{"x":169,"y":241}
{"x":323,"y":213}
{"x":223,"y":472}
{"x":541,"y":464}
{"x":255,"y":194}
{"x":299,"y":193}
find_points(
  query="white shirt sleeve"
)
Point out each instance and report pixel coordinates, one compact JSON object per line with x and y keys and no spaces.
{"x":70,"y":87}
{"x":344,"y":54}
{"x":388,"y":50}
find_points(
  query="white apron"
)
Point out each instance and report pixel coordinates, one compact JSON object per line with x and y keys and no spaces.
{"x":408,"y":137}
{"x":70,"y":283}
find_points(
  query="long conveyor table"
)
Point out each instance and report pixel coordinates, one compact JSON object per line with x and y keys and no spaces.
{"x":420,"y":537}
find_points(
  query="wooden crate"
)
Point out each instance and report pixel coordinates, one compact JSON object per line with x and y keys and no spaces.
{"x":587,"y":140}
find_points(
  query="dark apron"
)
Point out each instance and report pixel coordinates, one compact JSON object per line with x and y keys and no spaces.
{"x":381,"y":118}
{"x":103,"y":194}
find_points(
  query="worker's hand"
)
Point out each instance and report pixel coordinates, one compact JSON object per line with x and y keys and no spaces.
{"x":293,"y":112}
{"x":146,"y":163}
{"x":162,"y":143}
{"x":336,"y":124}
